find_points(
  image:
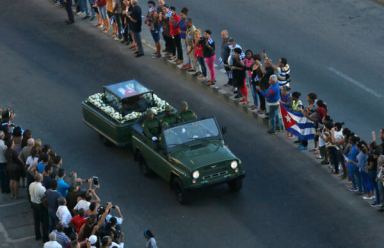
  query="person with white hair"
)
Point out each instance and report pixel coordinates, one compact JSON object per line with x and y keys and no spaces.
{"x":52,"y":243}
{"x":272,"y":97}
{"x":26,"y":151}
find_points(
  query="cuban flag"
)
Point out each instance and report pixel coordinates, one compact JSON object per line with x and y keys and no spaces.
{"x":297,"y":124}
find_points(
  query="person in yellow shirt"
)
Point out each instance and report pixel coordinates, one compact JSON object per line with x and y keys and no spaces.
{"x":110,"y":15}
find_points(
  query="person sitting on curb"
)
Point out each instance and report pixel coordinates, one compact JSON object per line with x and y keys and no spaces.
{"x":151,"y":126}
{"x":185,"y":114}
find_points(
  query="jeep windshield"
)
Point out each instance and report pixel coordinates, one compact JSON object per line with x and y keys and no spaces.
{"x":194,"y":131}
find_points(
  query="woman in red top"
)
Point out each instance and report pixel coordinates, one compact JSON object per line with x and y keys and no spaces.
{"x":198,"y":52}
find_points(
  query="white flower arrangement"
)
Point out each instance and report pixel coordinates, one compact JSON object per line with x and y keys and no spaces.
{"x":97,"y":101}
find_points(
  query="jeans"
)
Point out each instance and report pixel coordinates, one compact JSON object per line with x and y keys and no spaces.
{"x":253,"y":92}
{"x":202,"y":66}
{"x":380,"y":191}
{"x":186,"y":59}
{"x":357,"y":179}
{"x":83,"y":6}
{"x":211,"y":67}
{"x":4,"y":179}
{"x":103,"y":12}
{"x":365,"y":182}
{"x":52,"y":219}
{"x":119,"y":25}
{"x":91,"y":3}
{"x":139,"y":45}
{"x":273,"y":117}
{"x":40,"y":221}
{"x":68,"y":8}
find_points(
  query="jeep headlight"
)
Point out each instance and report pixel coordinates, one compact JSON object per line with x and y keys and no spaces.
{"x":234,"y":164}
{"x":196,"y":174}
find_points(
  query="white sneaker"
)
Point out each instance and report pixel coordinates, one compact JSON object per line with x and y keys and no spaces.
{"x":368,"y":197}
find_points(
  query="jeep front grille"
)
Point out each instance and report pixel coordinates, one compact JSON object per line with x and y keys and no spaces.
{"x":215,"y":175}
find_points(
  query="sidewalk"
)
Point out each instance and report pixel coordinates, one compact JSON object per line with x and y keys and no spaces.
{"x":16,"y":222}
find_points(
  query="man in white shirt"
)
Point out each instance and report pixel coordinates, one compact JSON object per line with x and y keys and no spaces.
{"x":40,"y":214}
{"x":82,"y":202}
{"x":63,"y":213}
{"x":52,"y":243}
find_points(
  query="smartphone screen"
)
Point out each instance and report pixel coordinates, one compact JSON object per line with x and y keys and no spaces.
{"x":95,"y":181}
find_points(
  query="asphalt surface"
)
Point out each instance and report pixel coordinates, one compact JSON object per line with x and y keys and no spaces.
{"x":335,"y":48}
{"x":48,"y":68}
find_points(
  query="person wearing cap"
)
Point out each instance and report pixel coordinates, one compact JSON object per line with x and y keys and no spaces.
{"x":151,"y":241}
{"x":169,"y":117}
{"x":186,"y":114}
{"x":151,"y":125}
{"x":92,"y":241}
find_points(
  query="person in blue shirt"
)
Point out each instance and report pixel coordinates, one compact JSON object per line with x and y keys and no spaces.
{"x":351,"y":159}
{"x":62,"y":185}
{"x":272,"y":96}
{"x":43,"y":162}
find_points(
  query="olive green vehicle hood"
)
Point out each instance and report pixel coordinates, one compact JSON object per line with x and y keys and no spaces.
{"x":198,"y":156}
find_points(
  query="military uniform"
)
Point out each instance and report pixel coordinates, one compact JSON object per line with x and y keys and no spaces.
{"x":169,"y":118}
{"x":187,"y":115}
{"x":151,"y":127}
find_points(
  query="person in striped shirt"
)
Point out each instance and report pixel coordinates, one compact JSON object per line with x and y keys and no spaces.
{"x":283,"y":72}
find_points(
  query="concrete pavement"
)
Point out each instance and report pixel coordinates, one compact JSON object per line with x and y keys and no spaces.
{"x":16,"y":222}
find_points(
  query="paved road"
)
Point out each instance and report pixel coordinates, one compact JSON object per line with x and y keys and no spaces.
{"x":48,"y":68}
{"x":335,"y":48}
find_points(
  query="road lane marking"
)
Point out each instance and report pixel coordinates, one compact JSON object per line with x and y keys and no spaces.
{"x":355,"y":82}
{"x":12,"y":203}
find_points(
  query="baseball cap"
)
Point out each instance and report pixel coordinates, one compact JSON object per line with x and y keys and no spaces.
{"x":92,"y":239}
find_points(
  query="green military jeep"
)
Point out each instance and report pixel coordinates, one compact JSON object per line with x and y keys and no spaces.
{"x":188,"y":156}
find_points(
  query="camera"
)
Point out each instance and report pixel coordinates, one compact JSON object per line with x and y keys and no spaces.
{"x":95,"y":181}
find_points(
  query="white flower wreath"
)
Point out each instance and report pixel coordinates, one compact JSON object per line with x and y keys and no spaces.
{"x":97,"y":101}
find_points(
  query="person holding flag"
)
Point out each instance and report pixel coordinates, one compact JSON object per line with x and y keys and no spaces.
{"x":297,"y":124}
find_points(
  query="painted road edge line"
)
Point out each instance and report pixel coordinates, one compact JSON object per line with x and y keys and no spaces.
{"x":355,"y":82}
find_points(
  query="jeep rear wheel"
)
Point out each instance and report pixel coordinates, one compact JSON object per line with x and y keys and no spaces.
{"x":235,"y":185}
{"x":145,"y":170}
{"x":105,"y":141}
{"x":177,"y":187}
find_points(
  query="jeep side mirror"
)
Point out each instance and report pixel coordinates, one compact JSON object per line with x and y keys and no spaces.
{"x":223,"y":130}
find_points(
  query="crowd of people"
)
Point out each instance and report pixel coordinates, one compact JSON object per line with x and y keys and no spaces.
{"x":67,"y":211}
{"x":194,"y":50}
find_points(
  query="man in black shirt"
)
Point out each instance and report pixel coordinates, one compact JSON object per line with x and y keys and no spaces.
{"x":135,"y":18}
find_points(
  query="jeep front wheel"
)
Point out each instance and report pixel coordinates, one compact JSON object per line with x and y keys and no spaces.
{"x":235,"y":185}
{"x":181,"y":194}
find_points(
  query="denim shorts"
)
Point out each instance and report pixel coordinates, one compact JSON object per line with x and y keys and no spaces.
{"x":103,"y":12}
{"x":155,"y":35}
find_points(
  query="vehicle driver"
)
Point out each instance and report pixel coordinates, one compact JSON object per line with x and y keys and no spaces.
{"x":169,"y":117}
{"x":151,"y":126}
{"x":185,"y":114}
